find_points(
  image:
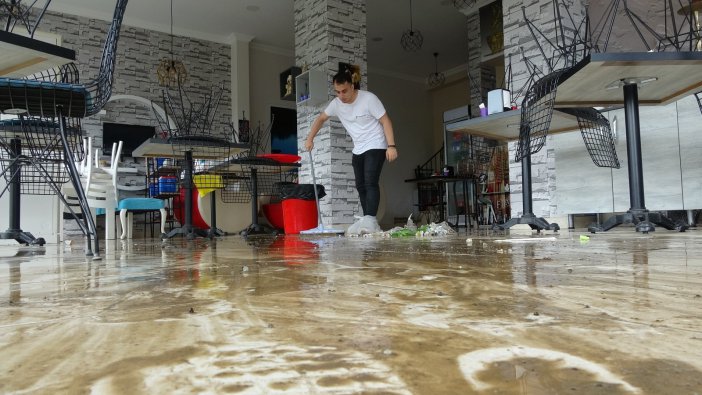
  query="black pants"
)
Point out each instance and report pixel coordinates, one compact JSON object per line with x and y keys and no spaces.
{"x":366,"y":168}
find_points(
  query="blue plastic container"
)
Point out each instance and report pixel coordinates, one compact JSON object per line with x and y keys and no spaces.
{"x":153,"y":189}
{"x":167,"y":184}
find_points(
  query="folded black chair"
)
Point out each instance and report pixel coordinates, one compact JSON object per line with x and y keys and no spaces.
{"x":598,"y":138}
{"x":537,"y":111}
{"x":28,"y":14}
{"x":50,"y":106}
{"x":204,"y":149}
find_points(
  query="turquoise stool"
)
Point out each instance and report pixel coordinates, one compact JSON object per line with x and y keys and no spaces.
{"x":126,"y":206}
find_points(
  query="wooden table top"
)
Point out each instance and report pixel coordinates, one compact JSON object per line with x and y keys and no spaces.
{"x":663,"y":77}
{"x":504,"y":126}
{"x":22,"y":56}
{"x":161,"y":148}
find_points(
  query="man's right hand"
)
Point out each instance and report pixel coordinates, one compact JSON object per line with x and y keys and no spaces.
{"x":309,"y":145}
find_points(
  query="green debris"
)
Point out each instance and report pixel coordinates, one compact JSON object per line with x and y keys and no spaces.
{"x":403,"y":233}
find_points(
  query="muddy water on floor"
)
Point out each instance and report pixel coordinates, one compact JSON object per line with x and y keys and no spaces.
{"x":619,"y":313}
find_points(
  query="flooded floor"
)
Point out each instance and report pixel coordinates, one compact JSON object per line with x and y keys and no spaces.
{"x":519,"y":313}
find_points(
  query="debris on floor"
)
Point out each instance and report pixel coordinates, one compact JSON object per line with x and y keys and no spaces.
{"x":411,"y":230}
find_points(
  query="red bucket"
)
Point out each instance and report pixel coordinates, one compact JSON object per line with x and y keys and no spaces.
{"x":299,"y":214}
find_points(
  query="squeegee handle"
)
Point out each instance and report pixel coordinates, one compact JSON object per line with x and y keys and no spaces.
{"x":314,"y":186}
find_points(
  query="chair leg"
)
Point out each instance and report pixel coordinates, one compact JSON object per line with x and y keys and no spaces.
{"x":62,"y":230}
{"x":118,"y":225}
{"x":163,"y":222}
{"x":109,"y":224}
{"x":93,"y":215}
{"x":123,"y":221}
{"x":130,"y":225}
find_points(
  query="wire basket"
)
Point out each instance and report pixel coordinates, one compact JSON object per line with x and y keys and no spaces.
{"x":40,"y":162}
{"x":41,"y":138}
{"x":597,"y":136}
{"x":36,"y":178}
{"x":236,"y":189}
{"x":268,"y":176}
{"x":537,"y":111}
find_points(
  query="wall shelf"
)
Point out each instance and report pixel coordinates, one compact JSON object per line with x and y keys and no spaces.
{"x":311,"y":88}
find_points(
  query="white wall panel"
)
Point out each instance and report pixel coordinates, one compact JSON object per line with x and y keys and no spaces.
{"x":582,"y":187}
{"x":690,"y":130}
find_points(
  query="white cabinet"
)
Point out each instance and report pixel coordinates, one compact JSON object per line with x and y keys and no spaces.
{"x":689,"y":128}
{"x":311,"y":87}
{"x":670,"y":151}
{"x":581,"y":187}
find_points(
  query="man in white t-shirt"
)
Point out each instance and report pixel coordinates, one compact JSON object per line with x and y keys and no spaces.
{"x":365,"y":120}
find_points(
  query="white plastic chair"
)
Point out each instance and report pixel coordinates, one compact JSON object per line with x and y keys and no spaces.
{"x":101,"y":193}
{"x":126,"y":206}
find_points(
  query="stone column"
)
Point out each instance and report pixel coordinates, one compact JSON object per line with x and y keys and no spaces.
{"x":328,"y":32}
{"x":517,"y":37}
{"x":481,"y":79}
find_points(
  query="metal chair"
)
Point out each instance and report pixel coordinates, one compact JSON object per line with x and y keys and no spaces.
{"x":537,"y":111}
{"x":59,"y":106}
{"x":191,"y":133}
{"x":13,"y":11}
{"x":535,"y":121}
{"x":597,"y":135}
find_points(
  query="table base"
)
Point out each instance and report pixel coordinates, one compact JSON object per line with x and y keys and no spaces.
{"x":21,"y":237}
{"x":189,"y":231}
{"x":258,"y":229}
{"x":537,"y":223}
{"x":644,"y":221}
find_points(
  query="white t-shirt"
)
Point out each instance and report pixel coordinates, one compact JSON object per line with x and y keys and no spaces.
{"x":361,"y":121}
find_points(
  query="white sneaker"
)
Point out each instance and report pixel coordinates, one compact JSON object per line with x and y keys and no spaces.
{"x":353,"y":229}
{"x":368,"y":224}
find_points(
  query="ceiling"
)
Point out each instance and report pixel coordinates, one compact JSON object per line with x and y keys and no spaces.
{"x":270,"y":24}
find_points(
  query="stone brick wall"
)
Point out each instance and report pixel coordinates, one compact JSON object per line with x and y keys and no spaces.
{"x":328,"y":32}
{"x":138,"y":53}
{"x":518,"y":40}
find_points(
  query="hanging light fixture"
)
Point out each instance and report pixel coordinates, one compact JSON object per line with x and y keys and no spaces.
{"x":170,"y":71}
{"x":435,"y":79}
{"x":411,"y":39}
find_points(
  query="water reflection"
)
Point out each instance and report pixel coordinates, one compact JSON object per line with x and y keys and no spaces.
{"x":15,"y":272}
{"x":636,"y":258}
{"x":15,"y":283}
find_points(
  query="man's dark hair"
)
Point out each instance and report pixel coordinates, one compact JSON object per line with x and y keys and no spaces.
{"x":343,"y":76}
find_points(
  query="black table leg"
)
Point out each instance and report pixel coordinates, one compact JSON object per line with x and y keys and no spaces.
{"x":528,"y":218}
{"x":213,"y":231}
{"x":255,"y":228}
{"x":15,"y":231}
{"x":456,"y":207}
{"x":638,"y":215}
{"x":466,"y":216}
{"x":187,"y":229}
